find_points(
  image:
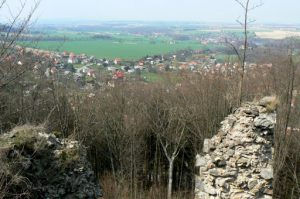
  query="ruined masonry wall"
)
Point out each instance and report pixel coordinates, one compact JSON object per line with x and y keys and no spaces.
{"x":237,"y":162}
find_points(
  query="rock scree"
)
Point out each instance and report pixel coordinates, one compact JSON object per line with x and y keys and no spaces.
{"x":34,"y":164}
{"x":237,"y":162}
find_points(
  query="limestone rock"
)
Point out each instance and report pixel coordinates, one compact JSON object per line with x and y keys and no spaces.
{"x":252,"y":111}
{"x":241,"y":195}
{"x":200,"y":161}
{"x":210,"y":189}
{"x":265,"y":121}
{"x":252,"y":183}
{"x":267,"y":173}
{"x":206,"y":146}
{"x":199,"y":185}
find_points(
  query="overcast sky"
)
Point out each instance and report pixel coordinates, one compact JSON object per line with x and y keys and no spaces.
{"x":273,"y":11}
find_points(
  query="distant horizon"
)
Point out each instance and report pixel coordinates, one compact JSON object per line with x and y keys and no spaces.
{"x":85,"y":21}
{"x":201,"y":11}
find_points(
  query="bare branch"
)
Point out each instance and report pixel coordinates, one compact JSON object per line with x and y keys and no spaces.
{"x":165,"y":149}
{"x":234,"y":49}
{"x":240,"y":3}
{"x":178,"y":146}
{"x":256,"y":6}
{"x":9,"y":37}
{"x":2,"y":3}
{"x":239,"y":22}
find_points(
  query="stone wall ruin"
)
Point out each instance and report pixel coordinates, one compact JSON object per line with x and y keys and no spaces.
{"x":237,"y":162}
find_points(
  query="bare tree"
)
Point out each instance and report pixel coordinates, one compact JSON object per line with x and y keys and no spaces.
{"x":286,"y":139}
{"x":11,"y":31}
{"x":242,"y":55}
{"x":171,"y":150}
{"x":168,"y":121}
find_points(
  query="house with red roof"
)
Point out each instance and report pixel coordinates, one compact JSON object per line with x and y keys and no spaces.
{"x":72,"y":59}
{"x":91,"y":73}
{"x":117,"y":61}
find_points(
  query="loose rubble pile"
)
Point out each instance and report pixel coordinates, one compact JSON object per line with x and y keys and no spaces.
{"x":237,"y":162}
{"x":34,"y":164}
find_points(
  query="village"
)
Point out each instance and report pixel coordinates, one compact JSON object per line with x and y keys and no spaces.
{"x":88,"y":71}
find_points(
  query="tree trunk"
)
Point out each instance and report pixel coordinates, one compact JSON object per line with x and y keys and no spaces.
{"x":240,"y":89}
{"x":170,"y":181}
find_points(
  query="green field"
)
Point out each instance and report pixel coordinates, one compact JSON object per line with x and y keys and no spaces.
{"x":124,"y":44}
{"x":113,"y":49}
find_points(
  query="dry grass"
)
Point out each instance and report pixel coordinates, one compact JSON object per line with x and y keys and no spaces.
{"x":277,"y":34}
{"x":270,"y":103}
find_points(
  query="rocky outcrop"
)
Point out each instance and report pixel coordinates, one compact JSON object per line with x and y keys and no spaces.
{"x":34,"y":164}
{"x":237,"y":162}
